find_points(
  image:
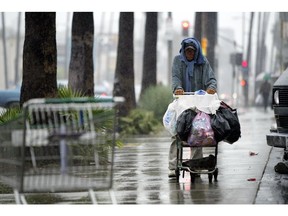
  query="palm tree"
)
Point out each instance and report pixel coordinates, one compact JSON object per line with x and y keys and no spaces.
{"x":206,"y":26}
{"x":81,"y":77}
{"x":124,"y":74}
{"x":211,"y":30}
{"x":149,"y":77}
{"x":198,"y":25}
{"x":39,"y":56}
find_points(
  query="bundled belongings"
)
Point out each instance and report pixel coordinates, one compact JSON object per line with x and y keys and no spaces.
{"x":220,"y":127}
{"x":169,"y":118}
{"x":201,"y":133}
{"x":225,"y":124}
{"x":206,"y":103}
{"x":221,"y":121}
{"x":184,"y":124}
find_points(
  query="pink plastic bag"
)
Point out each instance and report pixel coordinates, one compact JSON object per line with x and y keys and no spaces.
{"x":202,"y":133}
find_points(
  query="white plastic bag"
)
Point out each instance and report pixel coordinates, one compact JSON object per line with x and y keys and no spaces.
{"x":169,"y":119}
{"x":208,"y":103}
{"x":202,"y":132}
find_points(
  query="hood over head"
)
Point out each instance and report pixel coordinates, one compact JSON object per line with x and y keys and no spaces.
{"x":194,"y":44}
{"x":189,"y":46}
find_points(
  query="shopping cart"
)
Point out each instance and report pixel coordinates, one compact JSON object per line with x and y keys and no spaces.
{"x":208,"y":163}
{"x":60,"y":145}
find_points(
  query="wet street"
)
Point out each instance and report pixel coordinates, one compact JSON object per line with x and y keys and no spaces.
{"x":141,"y":171}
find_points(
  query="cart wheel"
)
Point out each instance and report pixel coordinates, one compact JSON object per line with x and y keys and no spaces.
{"x":210,"y":176}
{"x":215,"y":174}
{"x":192,"y":177}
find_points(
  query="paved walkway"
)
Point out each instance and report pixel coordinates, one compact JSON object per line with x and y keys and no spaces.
{"x":141,"y":169}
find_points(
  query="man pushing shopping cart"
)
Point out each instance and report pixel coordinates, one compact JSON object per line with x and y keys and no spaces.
{"x":191,"y":71}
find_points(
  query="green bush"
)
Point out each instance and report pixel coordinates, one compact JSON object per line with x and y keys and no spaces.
{"x":156,"y":99}
{"x":68,"y":92}
{"x":9,"y":114}
{"x":138,"y":122}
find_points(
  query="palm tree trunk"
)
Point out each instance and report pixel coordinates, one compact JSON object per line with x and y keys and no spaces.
{"x":124,"y":74}
{"x":39,"y":56}
{"x":149,"y":77}
{"x":81,"y":71}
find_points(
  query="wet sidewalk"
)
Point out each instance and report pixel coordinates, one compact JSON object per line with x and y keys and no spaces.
{"x":141,"y":169}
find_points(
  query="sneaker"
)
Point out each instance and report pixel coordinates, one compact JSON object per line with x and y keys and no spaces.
{"x":281,"y":168}
{"x":172,"y":174}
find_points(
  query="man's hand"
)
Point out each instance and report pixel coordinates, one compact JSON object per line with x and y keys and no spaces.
{"x":179,"y":92}
{"x":211,"y":91}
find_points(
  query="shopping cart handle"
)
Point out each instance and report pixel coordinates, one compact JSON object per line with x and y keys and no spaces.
{"x":184,"y":93}
{"x":189,"y":93}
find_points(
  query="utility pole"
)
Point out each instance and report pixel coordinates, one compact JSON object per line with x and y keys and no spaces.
{"x":246,"y":72}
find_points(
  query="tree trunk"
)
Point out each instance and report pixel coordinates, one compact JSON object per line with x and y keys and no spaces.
{"x":81,"y":77}
{"x":198,"y":26}
{"x":39,"y":56}
{"x":149,"y":76}
{"x":124,"y":75}
{"x":211,"y":30}
{"x":206,"y":27}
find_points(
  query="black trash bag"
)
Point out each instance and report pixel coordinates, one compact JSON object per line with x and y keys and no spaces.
{"x":220,"y":126}
{"x":184,"y":124}
{"x":281,"y":167}
{"x":231,"y":116}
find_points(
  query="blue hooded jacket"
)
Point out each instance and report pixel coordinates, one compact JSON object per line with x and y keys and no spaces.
{"x":194,"y":75}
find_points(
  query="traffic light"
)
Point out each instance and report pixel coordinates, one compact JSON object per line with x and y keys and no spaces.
{"x":239,"y":59}
{"x":244,"y":64}
{"x":185,"y":28}
{"x":204,"y":44}
{"x":243,"y":82}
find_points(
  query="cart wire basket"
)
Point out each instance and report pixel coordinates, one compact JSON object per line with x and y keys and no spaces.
{"x":60,"y":145}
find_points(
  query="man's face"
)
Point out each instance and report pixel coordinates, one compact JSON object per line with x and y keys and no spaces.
{"x":189,"y":53}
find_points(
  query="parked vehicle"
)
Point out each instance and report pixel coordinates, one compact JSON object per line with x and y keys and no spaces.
{"x":278,"y":136}
{"x":9,"y":98}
